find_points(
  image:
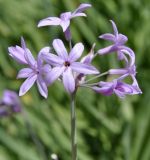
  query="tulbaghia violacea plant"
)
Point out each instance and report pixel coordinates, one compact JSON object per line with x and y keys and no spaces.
{"x":67,"y":66}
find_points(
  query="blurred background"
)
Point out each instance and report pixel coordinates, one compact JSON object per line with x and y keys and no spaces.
{"x":108,"y":128}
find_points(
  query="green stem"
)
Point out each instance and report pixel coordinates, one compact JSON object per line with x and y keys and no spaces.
{"x":100,"y":75}
{"x":73,"y":128}
{"x":70,"y":44}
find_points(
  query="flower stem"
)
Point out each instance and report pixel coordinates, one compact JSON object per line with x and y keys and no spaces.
{"x":70,"y":44}
{"x":100,"y":75}
{"x":73,"y":128}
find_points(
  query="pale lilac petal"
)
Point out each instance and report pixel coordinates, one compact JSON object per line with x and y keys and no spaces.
{"x":49,"y":21}
{"x":67,"y":34}
{"x":76,"y":52}
{"x":42,"y":87}
{"x":78,"y":15}
{"x":24,"y":73}
{"x":39,"y":61}
{"x":46,"y":69}
{"x":52,"y":59}
{"x":54,"y":74}
{"x":65,"y":25}
{"x":65,"y":20}
{"x":123,"y":87}
{"x":60,"y":48}
{"x":89,"y":57}
{"x":122,"y":39}
{"x":23,"y":44}
{"x":107,"y":36}
{"x":68,"y":80}
{"x":130,"y":53}
{"x":119,"y":93}
{"x":81,"y":8}
{"x":107,"y":91}
{"x":65,"y":16}
{"x":29,"y":57}
{"x":136,"y":88}
{"x":118,"y":71}
{"x":107,"y":50}
{"x":45,"y":50}
{"x":108,"y":84}
{"x":83,"y":68}
{"x":114,"y":28}
{"x":17,"y":53}
{"x":27,"y":84}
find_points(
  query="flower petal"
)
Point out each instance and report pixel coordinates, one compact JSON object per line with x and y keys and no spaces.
{"x":52,"y":59}
{"x":27,"y":84}
{"x":76,"y":52}
{"x":54,"y":74}
{"x":65,"y":25}
{"x":118,"y":71}
{"x":83,"y":68}
{"x":122,"y":39}
{"x":114,"y":28}
{"x":78,"y":15}
{"x":46,"y":69}
{"x":23,"y":44}
{"x":42,"y":87}
{"x":81,"y":8}
{"x":60,"y":48}
{"x":29,"y":57}
{"x":107,"y":50}
{"x":68,"y":80}
{"x":24,"y":73}
{"x":107,"y":91}
{"x":107,"y":36}
{"x":49,"y":21}
{"x":89,"y":57}
{"x":17,"y":53}
{"x":130,"y":53}
{"x":45,"y":50}
{"x":136,"y":88}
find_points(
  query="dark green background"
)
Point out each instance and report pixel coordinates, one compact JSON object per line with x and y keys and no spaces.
{"x":108,"y":128}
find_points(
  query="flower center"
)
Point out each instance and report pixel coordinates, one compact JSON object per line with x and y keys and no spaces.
{"x":67,"y":64}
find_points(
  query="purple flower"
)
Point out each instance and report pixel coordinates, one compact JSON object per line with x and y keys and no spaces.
{"x":34,"y":71}
{"x":118,"y":87}
{"x":66,"y":65}
{"x":119,"y":40}
{"x":9,"y":103}
{"x":64,"y":19}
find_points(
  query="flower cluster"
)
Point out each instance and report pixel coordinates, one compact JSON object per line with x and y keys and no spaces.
{"x":9,"y":103}
{"x":64,"y":66}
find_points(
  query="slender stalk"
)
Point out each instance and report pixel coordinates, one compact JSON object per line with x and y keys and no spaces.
{"x":100,"y":75}
{"x":70,"y":44}
{"x":73,"y":128}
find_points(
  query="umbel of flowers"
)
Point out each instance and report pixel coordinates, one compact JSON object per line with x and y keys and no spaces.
{"x":71,"y":68}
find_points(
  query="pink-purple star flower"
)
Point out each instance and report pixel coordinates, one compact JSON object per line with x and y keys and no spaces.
{"x":64,"y":19}
{"x":65,"y":64}
{"x":119,"y":40}
{"x":35,"y":68}
{"x":118,"y":87}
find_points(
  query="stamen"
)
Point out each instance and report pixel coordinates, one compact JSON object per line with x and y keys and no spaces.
{"x":67,"y":64}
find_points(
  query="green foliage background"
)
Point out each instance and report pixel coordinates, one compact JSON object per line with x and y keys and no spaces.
{"x":107,"y":128}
